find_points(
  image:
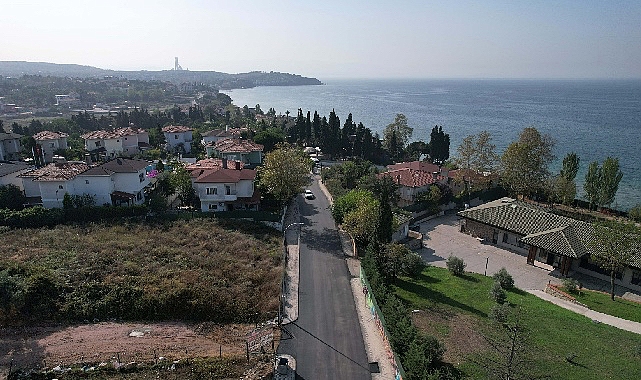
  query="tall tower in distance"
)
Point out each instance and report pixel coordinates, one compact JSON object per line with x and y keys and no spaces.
{"x":176,"y":65}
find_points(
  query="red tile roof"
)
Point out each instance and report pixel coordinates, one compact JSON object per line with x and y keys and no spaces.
{"x":236,"y":146}
{"x":48,"y":135}
{"x":416,"y":165}
{"x":176,"y":129}
{"x":122,"y":132}
{"x":213,"y":163}
{"x":62,"y":171}
{"x":412,"y":178}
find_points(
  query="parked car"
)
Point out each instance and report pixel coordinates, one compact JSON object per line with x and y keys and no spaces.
{"x":309,"y":194}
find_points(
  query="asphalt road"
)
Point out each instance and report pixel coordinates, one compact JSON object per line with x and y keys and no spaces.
{"x":326,"y":338}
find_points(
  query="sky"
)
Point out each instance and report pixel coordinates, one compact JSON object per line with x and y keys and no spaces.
{"x":330,"y":39}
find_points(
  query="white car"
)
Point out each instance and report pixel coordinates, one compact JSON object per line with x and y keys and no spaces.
{"x":309,"y":194}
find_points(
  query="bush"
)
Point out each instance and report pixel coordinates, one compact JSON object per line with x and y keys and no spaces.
{"x":504,"y":278}
{"x":500,"y":312}
{"x":412,"y":264}
{"x":455,"y":265}
{"x":571,"y":285}
{"x":498,"y":294}
{"x":635,"y":213}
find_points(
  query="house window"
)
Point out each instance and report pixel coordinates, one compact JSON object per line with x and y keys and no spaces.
{"x":139,"y":195}
{"x":97,"y":143}
{"x":86,"y":182}
{"x":125,"y":139}
{"x":60,"y":187}
{"x":141,"y":177}
{"x":175,"y":137}
{"x":505,"y":237}
{"x":51,"y":145}
{"x":227,"y":190}
{"x":213,"y":207}
{"x":636,"y":277}
{"x":212,"y":190}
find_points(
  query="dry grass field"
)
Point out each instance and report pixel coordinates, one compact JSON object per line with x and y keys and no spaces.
{"x":171,"y":277}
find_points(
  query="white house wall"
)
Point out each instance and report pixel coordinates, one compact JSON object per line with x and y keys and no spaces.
{"x":99,"y":187}
{"x":113,"y":146}
{"x":53,"y":192}
{"x":130,"y":183}
{"x":31,"y":188}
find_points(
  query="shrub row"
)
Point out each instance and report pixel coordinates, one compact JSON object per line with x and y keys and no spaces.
{"x":36,"y":217}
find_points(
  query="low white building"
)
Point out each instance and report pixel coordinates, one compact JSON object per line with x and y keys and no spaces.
{"x":119,"y":142}
{"x":223,"y":185}
{"x":116,"y":182}
{"x":177,"y":136}
{"x":10,"y":173}
{"x":50,"y":142}
{"x":10,"y":146}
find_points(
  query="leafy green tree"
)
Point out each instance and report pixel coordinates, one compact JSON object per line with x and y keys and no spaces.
{"x":602,"y":182}
{"x":11,"y":197}
{"x":345,"y":204}
{"x":181,"y":182}
{"x":362,"y":222}
{"x":270,"y":138}
{"x":477,"y":153}
{"x":439,"y":145}
{"x":396,"y":136}
{"x":417,"y":148}
{"x":431,"y":198}
{"x":613,"y":246}
{"x":611,"y":176}
{"x":285,"y":172}
{"x":592,"y":184}
{"x":422,"y":357}
{"x":524,"y":164}
{"x":570,"y":166}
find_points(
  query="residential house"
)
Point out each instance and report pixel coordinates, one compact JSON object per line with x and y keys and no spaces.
{"x":178,"y":137}
{"x":47,"y":185}
{"x":248,"y":152}
{"x":543,"y":237}
{"x":224,"y":185}
{"x":116,"y":182}
{"x":414,"y":178}
{"x":10,"y":172}
{"x":10,"y":146}
{"x":119,"y":142}
{"x":50,"y":142}
{"x":220,"y":134}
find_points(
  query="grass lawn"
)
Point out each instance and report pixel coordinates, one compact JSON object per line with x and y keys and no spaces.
{"x":602,"y":303}
{"x":455,"y":310}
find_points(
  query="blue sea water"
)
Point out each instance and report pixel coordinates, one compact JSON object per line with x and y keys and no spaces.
{"x":594,"y":118}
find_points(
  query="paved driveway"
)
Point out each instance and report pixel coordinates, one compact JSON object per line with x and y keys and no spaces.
{"x":441,"y":238}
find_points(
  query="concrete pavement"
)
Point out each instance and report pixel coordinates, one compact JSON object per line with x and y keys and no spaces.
{"x":441,"y":238}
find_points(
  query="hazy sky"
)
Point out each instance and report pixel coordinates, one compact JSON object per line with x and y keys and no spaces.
{"x":333,"y":39}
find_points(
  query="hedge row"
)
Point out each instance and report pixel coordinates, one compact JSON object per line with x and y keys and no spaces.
{"x":35,"y":217}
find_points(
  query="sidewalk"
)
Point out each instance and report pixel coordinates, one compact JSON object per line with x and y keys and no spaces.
{"x":292,"y":240}
{"x":620,"y":323}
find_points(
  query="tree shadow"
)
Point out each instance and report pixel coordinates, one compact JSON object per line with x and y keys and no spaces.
{"x":20,"y":349}
{"x":326,"y":241}
{"x":436,"y":296}
{"x":427,"y":279}
{"x":470,"y":278}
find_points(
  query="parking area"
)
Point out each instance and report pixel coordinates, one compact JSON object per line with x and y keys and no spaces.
{"x":441,"y":238}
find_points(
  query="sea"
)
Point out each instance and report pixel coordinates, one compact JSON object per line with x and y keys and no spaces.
{"x":594,"y":118}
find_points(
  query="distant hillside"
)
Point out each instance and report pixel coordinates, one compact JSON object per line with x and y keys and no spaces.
{"x":214,"y":78}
